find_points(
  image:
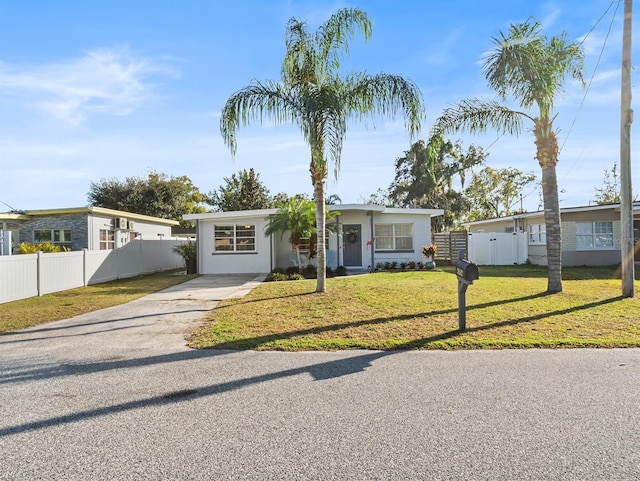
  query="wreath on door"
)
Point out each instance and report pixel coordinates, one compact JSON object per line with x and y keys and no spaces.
{"x":351,"y":237}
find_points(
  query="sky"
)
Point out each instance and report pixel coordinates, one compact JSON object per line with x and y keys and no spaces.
{"x":93,"y":90}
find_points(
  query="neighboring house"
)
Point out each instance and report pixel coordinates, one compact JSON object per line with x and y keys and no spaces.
{"x":92,"y":228}
{"x":234,"y":242}
{"x":590,"y":236}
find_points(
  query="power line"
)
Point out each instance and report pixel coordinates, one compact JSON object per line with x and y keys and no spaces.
{"x":12,"y":208}
{"x":586,"y":92}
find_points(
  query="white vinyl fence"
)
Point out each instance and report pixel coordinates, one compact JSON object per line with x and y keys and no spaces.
{"x":30,"y":275}
{"x":498,"y":249}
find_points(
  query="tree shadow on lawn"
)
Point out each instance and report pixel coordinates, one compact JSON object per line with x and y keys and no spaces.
{"x":259,"y":341}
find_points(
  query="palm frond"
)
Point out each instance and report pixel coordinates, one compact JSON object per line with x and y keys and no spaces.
{"x":527,"y":66}
{"x":334,"y":35}
{"x":477,"y":115}
{"x":257,"y":102}
{"x":385,"y":95}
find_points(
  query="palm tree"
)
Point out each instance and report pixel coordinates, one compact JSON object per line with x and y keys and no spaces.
{"x":297,"y":217}
{"x":530,"y":68}
{"x":312,"y":95}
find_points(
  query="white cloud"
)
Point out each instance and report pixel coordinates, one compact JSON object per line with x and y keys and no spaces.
{"x":107,"y":81}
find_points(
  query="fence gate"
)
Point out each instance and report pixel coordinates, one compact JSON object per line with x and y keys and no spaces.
{"x":498,"y":249}
{"x":448,"y":245}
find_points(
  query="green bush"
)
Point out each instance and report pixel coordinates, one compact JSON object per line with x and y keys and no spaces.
{"x":276,"y":276}
{"x":187,"y":250}
{"x":341,"y":271}
{"x":46,"y":247}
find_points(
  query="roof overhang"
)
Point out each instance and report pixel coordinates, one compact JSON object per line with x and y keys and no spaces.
{"x":27,"y":215}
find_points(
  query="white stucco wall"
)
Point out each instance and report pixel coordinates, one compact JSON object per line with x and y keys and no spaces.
{"x":212,"y":262}
{"x":147,"y":230}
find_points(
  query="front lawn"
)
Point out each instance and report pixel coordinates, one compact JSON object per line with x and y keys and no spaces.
{"x":506,"y":308}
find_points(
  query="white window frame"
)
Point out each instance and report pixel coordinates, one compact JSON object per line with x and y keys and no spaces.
{"x":394,"y":237}
{"x":108,"y":243}
{"x":237,"y":236}
{"x":537,"y":234}
{"x":303,"y":247}
{"x":595,"y":238}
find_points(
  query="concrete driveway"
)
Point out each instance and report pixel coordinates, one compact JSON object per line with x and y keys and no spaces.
{"x":116,"y":395}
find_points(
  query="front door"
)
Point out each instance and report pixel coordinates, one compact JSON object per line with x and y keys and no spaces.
{"x":352,"y":245}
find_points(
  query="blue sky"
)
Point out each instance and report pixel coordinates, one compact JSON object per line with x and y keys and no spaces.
{"x":102,"y":89}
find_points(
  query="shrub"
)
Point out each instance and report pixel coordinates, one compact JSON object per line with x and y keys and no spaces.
{"x":291,"y":270}
{"x":387,"y":265}
{"x":276,"y":276}
{"x":394,"y":264}
{"x":379,"y":266}
{"x":412,"y":265}
{"x":341,"y":271}
{"x":430,"y":250}
{"x":187,"y":250}
{"x":403,"y":265}
{"x":310,"y":272}
{"x":46,"y":247}
{"x":295,"y":277}
{"x":420,"y":265}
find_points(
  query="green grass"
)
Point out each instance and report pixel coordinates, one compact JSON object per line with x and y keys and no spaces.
{"x":66,"y":304}
{"x":506,"y":308}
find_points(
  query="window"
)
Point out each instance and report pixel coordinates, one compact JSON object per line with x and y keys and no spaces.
{"x":537,"y":234}
{"x":394,"y":236}
{"x":305,"y":244}
{"x":107,"y":240}
{"x":234,"y":238}
{"x":594,"y":235}
{"x":55,"y":236}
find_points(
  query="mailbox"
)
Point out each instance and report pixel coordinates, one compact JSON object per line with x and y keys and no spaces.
{"x":467,"y":271}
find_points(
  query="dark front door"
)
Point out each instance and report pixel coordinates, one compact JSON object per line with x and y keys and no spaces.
{"x":352,"y":245}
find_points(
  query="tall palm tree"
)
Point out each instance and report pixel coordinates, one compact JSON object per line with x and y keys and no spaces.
{"x":531,"y":69}
{"x":313,"y":95}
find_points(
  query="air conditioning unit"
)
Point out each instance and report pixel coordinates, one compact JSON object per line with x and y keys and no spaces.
{"x":122,"y":223}
{"x":132,"y":225}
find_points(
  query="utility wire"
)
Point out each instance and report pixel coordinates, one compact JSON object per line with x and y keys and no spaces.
{"x":586,"y":92}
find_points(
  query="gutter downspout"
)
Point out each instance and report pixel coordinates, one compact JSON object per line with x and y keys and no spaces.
{"x":371,"y":239}
{"x":338,"y":237}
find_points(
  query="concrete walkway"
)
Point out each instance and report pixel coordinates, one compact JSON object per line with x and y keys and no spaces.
{"x":116,"y":395}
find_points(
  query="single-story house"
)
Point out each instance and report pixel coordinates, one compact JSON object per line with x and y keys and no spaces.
{"x":235,"y":242}
{"x":77,"y":228}
{"x":590,"y":236}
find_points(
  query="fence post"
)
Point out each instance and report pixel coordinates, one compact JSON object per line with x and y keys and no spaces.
{"x":39,"y":271}
{"x":84,"y":266}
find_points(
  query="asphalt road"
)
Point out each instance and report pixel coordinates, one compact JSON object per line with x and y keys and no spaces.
{"x":116,"y":395}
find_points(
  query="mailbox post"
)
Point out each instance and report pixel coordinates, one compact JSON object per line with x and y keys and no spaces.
{"x":467,"y":272}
